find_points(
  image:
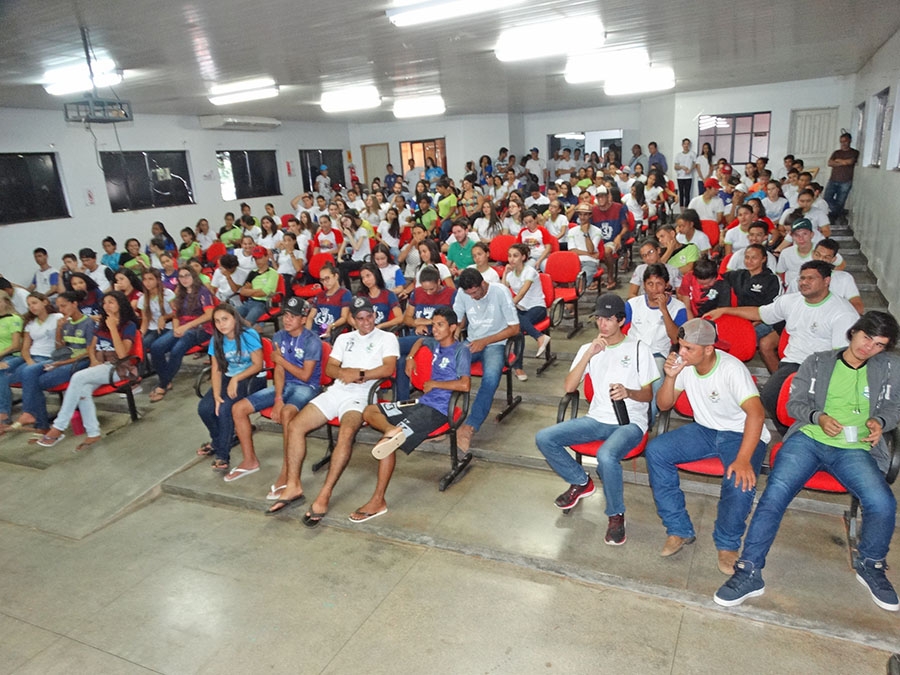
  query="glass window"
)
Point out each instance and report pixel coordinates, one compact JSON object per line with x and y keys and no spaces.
{"x":146,"y":180}
{"x":30,"y":188}
{"x":739,"y":138}
{"x":247,"y":173}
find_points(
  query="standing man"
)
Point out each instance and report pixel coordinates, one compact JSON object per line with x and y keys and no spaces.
{"x":323,"y":184}
{"x":413,"y":174}
{"x":491,"y":319}
{"x":502,"y":161}
{"x":656,"y":157}
{"x":537,"y":167}
{"x":842,"y":410}
{"x":838,"y":187}
{"x":729,"y":424}
{"x":565,"y":166}
{"x":623,"y":366}
{"x":638,"y":157}
{"x":390,"y":178}
{"x":685,"y":166}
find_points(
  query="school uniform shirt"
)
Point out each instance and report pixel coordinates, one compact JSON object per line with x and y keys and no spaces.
{"x":716,"y":397}
{"x":239,"y":357}
{"x":220,"y":282}
{"x":736,"y":261}
{"x":707,"y":210}
{"x":168,"y":296}
{"x":638,"y":277}
{"x":556,"y":226}
{"x":384,"y":231}
{"x":383,"y":304}
{"x":363,"y":352}
{"x":842,"y":285}
{"x":629,"y":363}
{"x":647,"y":323}
{"x":534,"y":296}
{"x":424,"y":303}
{"x":442,"y":269}
{"x":232,"y":237}
{"x":328,"y":242}
{"x":297,"y":350}
{"x":699,"y":239}
{"x":512,"y":226}
{"x":270,"y":241}
{"x":245,"y":262}
{"x":43,"y":334}
{"x":104,"y":337}
{"x":737,"y":238}
{"x":775,"y":209}
{"x":9,"y":326}
{"x":20,"y":300}
{"x":192,"y":310}
{"x":46,"y":281}
{"x":77,"y":335}
{"x":393,"y":277}
{"x":536,"y":241}
{"x":813,"y":327}
{"x":285,"y":264}
{"x":685,"y":159}
{"x":447,"y":364}
{"x":206,"y":240}
{"x":328,"y":308}
{"x":482,"y":316}
{"x":789,"y":263}
{"x":99,"y":276}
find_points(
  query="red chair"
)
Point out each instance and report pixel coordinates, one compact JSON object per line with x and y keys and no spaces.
{"x":544,"y":326}
{"x":284,"y":220}
{"x":571,"y":402}
{"x":457,"y":411}
{"x":782,"y":343}
{"x":739,"y":335}
{"x":214,"y":252}
{"x":273,"y":314}
{"x":569,"y":284}
{"x":314,"y":267}
{"x":499,"y":248}
{"x":711,"y":229}
{"x":723,"y":266}
{"x":514,"y":347}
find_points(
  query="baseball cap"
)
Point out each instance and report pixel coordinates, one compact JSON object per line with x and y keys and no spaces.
{"x":602,"y":190}
{"x":741,"y":187}
{"x":323,"y":167}
{"x":259,"y":252}
{"x":699,"y":332}
{"x":609,"y":304}
{"x":296,"y":306}
{"x":534,"y":150}
{"x":726,"y":169}
{"x":624,"y":169}
{"x":802,"y":224}
{"x":360,"y":305}
{"x":711,"y":183}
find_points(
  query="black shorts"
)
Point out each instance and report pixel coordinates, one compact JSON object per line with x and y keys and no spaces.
{"x":416,"y":420}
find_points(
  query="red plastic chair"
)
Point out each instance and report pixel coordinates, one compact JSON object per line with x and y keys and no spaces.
{"x":723,"y":266}
{"x":711,"y":229}
{"x":544,"y":326}
{"x":570,"y":402}
{"x":569,"y":284}
{"x":499,"y":248}
{"x":314,"y":268}
{"x":739,"y":335}
{"x":214,"y":252}
{"x":284,"y":220}
{"x":514,"y":347}
{"x":457,"y":411}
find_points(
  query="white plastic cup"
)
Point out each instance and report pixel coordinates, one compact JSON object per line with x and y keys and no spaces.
{"x":851,"y":434}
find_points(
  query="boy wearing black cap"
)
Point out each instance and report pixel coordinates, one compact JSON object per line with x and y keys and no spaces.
{"x":624,"y":367}
{"x":728,"y":425}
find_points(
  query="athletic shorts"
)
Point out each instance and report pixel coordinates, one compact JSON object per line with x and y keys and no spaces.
{"x":333,"y":403}
{"x":416,"y":420}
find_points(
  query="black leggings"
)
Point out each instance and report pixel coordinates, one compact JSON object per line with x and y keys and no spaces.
{"x":684,"y":191}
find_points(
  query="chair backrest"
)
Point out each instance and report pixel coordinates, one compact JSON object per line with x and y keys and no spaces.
{"x":723,"y":266}
{"x":499,"y":247}
{"x":711,"y":229}
{"x":324,"y":380}
{"x":563,"y":267}
{"x":422,"y":360}
{"x":782,"y":343}
{"x":215,"y":251}
{"x":318,"y":261}
{"x":784,"y":394}
{"x":588,"y":388}
{"x":739,"y":335}
{"x":284,"y":220}
{"x":137,"y":347}
{"x":547,"y":288}
{"x":267,"y":348}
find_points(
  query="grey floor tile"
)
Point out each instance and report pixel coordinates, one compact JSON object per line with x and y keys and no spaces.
{"x":21,"y":641}
{"x":66,"y":657}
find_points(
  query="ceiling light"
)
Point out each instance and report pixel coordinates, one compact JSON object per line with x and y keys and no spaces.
{"x":74,"y":79}
{"x":351,"y":98}
{"x":656,"y":78}
{"x":243,"y":85}
{"x":243,"y":96}
{"x":433,"y":11}
{"x":570,"y":136}
{"x":419,"y":106}
{"x":543,"y":39}
{"x":600,"y":65}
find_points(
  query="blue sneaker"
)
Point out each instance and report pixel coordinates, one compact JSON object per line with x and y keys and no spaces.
{"x":870,"y":573}
{"x":746,"y":582}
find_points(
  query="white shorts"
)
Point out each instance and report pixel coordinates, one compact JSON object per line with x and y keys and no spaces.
{"x":332,"y":403}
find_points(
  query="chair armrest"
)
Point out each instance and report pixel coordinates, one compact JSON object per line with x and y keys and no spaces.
{"x":893,"y":441}
{"x":376,"y":387}
{"x":458,"y":399}
{"x":515,"y":347}
{"x":571,"y":402}
{"x":557,"y":312}
{"x":204,"y":376}
{"x":580,"y":283}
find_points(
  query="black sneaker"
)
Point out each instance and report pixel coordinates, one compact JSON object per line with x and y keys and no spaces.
{"x":615,"y":532}
{"x":870,"y":573}
{"x":746,"y":582}
{"x":570,"y":497}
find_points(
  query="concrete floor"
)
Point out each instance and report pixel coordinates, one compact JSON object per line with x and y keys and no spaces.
{"x":135,"y":557}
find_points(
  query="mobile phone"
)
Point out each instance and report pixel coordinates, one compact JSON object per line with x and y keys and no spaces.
{"x":405,"y":404}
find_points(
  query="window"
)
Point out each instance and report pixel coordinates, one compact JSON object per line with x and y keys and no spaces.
{"x":247,"y":173}
{"x":893,"y":157}
{"x":30,"y":188}
{"x":879,"y":121}
{"x":419,"y":150}
{"x":861,"y":128}
{"x":146,"y":180}
{"x":311,"y":160}
{"x":739,"y":138}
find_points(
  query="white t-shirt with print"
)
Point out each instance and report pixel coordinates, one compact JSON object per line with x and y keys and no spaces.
{"x":812,"y":327}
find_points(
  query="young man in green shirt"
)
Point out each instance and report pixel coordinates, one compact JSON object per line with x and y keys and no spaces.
{"x":260,"y":286}
{"x":459,"y":252}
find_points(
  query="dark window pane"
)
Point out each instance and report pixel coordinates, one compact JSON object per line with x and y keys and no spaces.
{"x":30,"y":188}
{"x":146,"y":180}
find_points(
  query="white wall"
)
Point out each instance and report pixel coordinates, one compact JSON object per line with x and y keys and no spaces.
{"x":46,"y":131}
{"x":875,"y":198}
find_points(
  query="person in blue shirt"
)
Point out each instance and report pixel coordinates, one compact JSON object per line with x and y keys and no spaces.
{"x":406,"y":424}
{"x":236,"y":359}
{"x":297,"y":356}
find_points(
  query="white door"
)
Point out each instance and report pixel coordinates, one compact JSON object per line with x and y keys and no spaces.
{"x":813,"y":137}
{"x":375,"y":158}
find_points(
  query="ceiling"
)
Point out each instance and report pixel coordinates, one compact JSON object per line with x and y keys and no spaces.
{"x":173,"y":51}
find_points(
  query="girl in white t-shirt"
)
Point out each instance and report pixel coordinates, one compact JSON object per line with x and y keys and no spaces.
{"x":513,"y":222}
{"x":290,"y":258}
{"x":488,"y":225}
{"x":271,"y":235}
{"x":389,"y":231}
{"x":481,"y":255}
{"x":391,"y":273}
{"x":528,"y":297}
{"x":204,"y":237}
{"x":429,"y":254}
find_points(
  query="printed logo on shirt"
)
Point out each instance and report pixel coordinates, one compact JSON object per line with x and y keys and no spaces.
{"x":714,"y":396}
{"x":444,"y":363}
{"x":866,"y":392}
{"x":712,"y":294}
{"x":626,"y":361}
{"x":756,"y":288}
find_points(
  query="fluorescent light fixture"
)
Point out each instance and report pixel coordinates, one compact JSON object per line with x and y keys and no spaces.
{"x":655,"y":78}
{"x":244,"y":96}
{"x":350,"y":98}
{"x":74,"y":79}
{"x":419,"y":106}
{"x":600,"y":65}
{"x":539,"y":40}
{"x":433,"y":11}
{"x":570,"y":136}
{"x":243,"y":85}
{"x":707,"y":122}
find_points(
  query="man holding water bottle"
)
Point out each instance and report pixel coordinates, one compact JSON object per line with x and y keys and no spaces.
{"x":843,"y":401}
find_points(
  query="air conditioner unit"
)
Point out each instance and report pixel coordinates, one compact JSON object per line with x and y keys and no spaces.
{"x":238,"y":123}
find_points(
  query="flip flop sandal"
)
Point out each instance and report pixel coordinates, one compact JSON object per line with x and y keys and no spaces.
{"x":205,"y":450}
{"x":220,"y":465}
{"x":282,"y":505}
{"x":387,"y":445}
{"x":47,"y":441}
{"x":157,"y":395}
{"x":275,"y":492}
{"x":237,"y":473}
{"x":365,"y":515}
{"x":312,"y":519}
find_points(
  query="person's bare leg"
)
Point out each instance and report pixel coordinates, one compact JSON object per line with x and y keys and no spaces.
{"x":612,"y":269}
{"x":350,"y":424}
{"x":376,"y":419}
{"x":310,"y":418}
{"x":385,"y":470}
{"x":288,"y":413}
{"x":240,"y":413}
{"x":768,"y":351}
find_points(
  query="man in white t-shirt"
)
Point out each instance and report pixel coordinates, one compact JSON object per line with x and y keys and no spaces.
{"x":792,"y":257}
{"x":622,"y":366}
{"x":94,"y":270}
{"x":537,"y":167}
{"x":728,"y":425}
{"x":537,"y":200}
{"x":413,"y":175}
{"x":815,"y":319}
{"x":323,"y":183}
{"x":564,"y":167}
{"x":228,"y":279}
{"x":842,"y":283}
{"x":357,"y":359}
{"x":821,"y":227}
{"x":709,"y":205}
{"x":756,"y":234}
{"x":45,"y":279}
{"x":584,"y":239}
{"x":304,"y":202}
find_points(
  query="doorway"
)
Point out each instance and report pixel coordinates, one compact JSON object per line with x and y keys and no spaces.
{"x":375,"y":157}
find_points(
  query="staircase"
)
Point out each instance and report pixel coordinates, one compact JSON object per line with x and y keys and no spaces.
{"x":858,"y":266}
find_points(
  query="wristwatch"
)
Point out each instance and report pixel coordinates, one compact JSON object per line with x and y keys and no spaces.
{"x":362,"y":374}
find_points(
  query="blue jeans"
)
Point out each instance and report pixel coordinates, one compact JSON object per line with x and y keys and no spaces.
{"x":7,"y":377}
{"x":491,"y":358}
{"x":252,"y":310}
{"x":836,"y":194}
{"x":618,"y":440}
{"x":168,"y":351}
{"x":799,"y":459}
{"x":221,"y":426}
{"x":527,"y":319}
{"x":403,"y":386}
{"x":35,"y":380}
{"x":689,"y":443}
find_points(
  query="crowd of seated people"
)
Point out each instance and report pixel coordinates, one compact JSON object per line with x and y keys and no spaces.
{"x":381,"y":273}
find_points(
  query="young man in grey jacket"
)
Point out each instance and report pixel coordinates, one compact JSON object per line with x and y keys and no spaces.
{"x":843,"y":402}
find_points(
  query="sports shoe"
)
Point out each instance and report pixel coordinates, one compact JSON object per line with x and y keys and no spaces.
{"x":570,"y":497}
{"x":615,"y":531}
{"x":870,"y":573}
{"x":746,"y":582}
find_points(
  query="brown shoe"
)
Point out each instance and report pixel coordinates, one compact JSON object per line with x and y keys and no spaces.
{"x":727,"y":559}
{"x":674,"y":543}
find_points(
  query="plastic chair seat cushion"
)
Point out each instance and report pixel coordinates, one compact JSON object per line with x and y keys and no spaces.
{"x":590,"y":448}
